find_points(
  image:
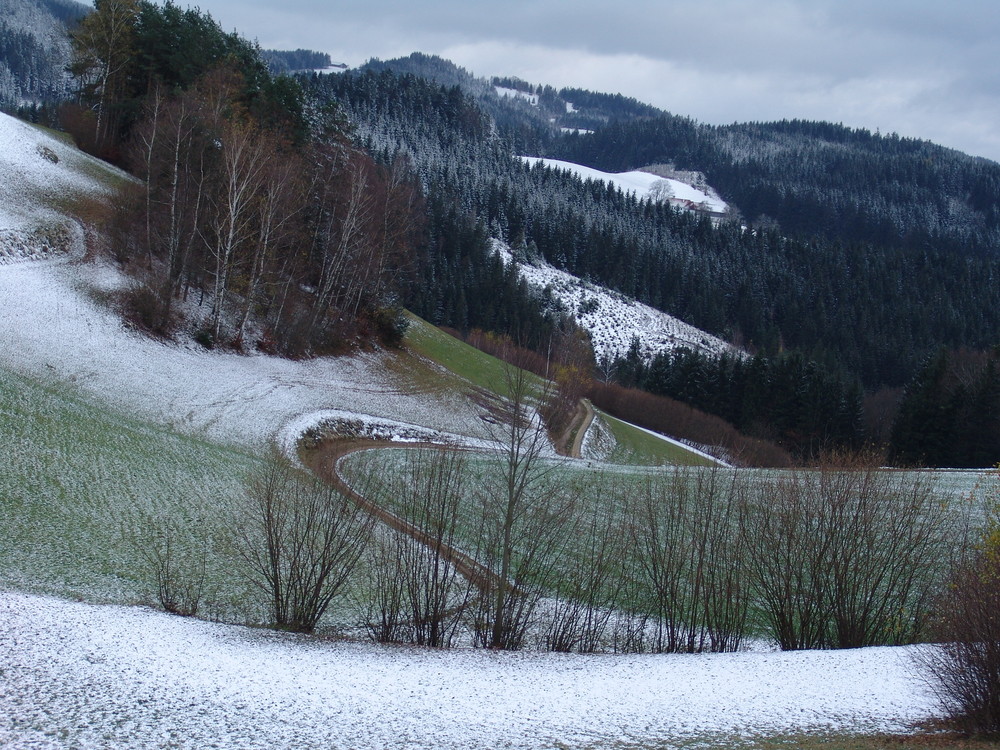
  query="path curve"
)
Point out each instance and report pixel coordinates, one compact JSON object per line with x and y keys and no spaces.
{"x":576,"y":449}
{"x":325,"y":462}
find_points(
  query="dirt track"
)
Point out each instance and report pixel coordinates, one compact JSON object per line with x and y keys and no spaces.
{"x":325,"y":462}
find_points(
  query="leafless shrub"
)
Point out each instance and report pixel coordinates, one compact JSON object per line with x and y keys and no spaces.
{"x":845,"y":556}
{"x":420,"y":596}
{"x":685,"y":533}
{"x":963,"y":669}
{"x":175,"y":562}
{"x":582,"y":613}
{"x":300,"y":540}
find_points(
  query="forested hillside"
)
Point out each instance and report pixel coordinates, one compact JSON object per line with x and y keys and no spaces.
{"x":34,"y":50}
{"x":849,"y":258}
{"x":873,"y":252}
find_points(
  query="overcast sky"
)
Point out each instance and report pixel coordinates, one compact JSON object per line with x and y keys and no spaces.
{"x":919,"y":68}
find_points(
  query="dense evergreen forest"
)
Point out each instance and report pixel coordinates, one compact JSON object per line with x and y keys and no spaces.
{"x":863,"y":298}
{"x":869,"y":310}
{"x":281,"y":62}
{"x":34,"y":50}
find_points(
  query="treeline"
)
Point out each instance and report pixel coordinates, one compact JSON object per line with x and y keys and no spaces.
{"x":786,"y":399}
{"x":265,"y":224}
{"x":818,"y":179}
{"x":950,"y":413}
{"x":281,"y":62}
{"x":871,"y":311}
{"x":34,"y":52}
{"x":130,"y":49}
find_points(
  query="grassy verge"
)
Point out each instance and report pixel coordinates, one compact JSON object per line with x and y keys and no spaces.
{"x":636,"y":447}
{"x":478,"y":368}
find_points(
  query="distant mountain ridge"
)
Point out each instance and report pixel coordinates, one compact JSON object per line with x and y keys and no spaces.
{"x":865,"y":252}
{"x":34,"y":50}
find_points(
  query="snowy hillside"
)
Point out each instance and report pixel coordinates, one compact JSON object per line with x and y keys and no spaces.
{"x":127,"y":677}
{"x":40,"y":174}
{"x":645,"y":185}
{"x":55,"y":326}
{"x":612,"y":319}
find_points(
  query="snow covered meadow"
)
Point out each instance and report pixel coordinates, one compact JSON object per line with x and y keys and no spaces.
{"x":80,"y":675}
{"x":100,"y":424}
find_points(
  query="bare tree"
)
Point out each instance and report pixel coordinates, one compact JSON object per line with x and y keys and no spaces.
{"x":963,"y":668}
{"x":524,"y":514}
{"x":420,"y":596}
{"x":175,"y":552}
{"x":301,"y":540}
{"x":845,"y":556}
{"x":581,"y":615}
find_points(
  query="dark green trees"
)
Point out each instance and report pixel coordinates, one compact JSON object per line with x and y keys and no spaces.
{"x":950,"y":413}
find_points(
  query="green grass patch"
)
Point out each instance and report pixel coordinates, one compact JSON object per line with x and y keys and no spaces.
{"x":83,"y":488}
{"x":639,"y":448}
{"x":478,"y":368}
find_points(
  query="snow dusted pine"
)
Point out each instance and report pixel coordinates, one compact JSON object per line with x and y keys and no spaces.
{"x":612,"y":319}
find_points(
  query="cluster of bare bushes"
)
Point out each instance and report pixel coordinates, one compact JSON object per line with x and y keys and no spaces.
{"x":512,"y":551}
{"x":683,"y":561}
{"x":515,"y":549}
{"x":963,"y":667}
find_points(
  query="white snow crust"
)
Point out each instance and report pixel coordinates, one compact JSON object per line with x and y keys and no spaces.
{"x":504,"y":92}
{"x":642,"y":185}
{"x":612,"y":319}
{"x":78,"y":675}
{"x":38,"y":170}
{"x":52,"y":328}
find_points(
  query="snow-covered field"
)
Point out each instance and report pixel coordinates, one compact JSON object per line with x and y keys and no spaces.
{"x":38,"y":172}
{"x":79,"y":675}
{"x":613,"y":319}
{"x":52,"y":327}
{"x":642,"y":184}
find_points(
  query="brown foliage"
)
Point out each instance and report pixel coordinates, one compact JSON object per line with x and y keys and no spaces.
{"x":964,"y":669}
{"x":302,"y":242}
{"x":682,"y":421}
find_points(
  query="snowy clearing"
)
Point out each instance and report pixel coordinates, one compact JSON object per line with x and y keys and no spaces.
{"x":642,"y":185}
{"x":612,"y":319}
{"x":505,"y":93}
{"x":98,"y":676}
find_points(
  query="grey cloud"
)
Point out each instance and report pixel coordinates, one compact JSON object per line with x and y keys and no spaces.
{"x":929,"y":65}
